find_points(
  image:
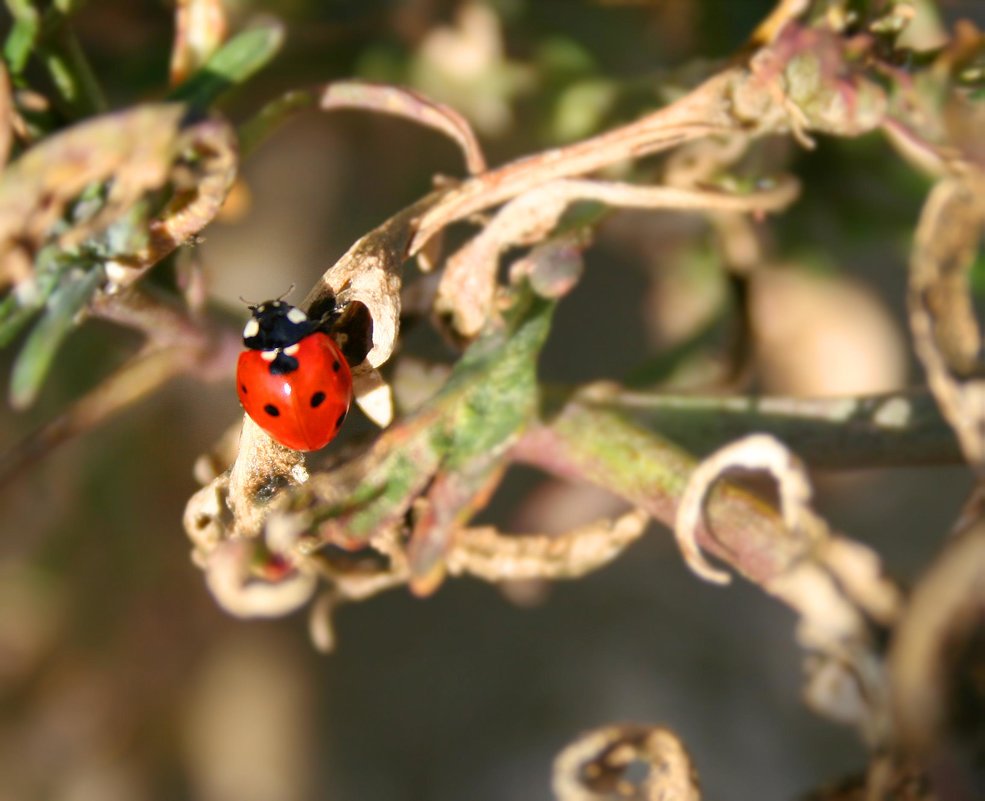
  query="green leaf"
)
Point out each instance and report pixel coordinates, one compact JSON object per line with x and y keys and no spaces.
{"x":13,"y":318}
{"x":35,"y":358}
{"x":235,"y":62}
{"x":22,"y":37}
{"x":488,"y":399}
{"x":492,"y":392}
{"x":17,"y":309}
{"x":976,"y":275}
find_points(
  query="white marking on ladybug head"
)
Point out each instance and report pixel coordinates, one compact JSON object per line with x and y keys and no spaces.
{"x":269,"y":355}
{"x":290,"y":350}
{"x":252,"y":329}
{"x":296,"y":316}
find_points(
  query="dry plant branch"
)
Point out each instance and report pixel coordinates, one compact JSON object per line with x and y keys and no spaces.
{"x":782,"y":88}
{"x":396,"y":511}
{"x":898,"y":428}
{"x":88,"y":211}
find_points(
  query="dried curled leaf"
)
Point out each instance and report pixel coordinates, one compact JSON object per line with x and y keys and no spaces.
{"x":134,"y":151}
{"x":601,"y":766}
{"x":369,"y":272}
{"x":467,"y":288}
{"x":137,"y":145}
{"x":493,"y":556}
{"x":836,"y":586}
{"x":231,"y":579}
{"x":756,"y":452}
{"x":411,"y":105}
{"x":947,"y":336}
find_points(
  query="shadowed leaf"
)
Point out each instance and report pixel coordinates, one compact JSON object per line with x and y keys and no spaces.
{"x":36,"y":356}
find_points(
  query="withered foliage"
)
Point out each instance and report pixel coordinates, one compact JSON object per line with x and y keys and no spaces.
{"x":87,"y":210}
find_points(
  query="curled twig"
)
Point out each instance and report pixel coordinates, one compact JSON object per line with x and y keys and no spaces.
{"x":597,"y":766}
{"x":230,"y":579}
{"x":490,"y":555}
{"x":947,"y":337}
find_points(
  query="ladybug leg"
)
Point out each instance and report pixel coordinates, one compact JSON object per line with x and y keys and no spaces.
{"x":324,"y":312}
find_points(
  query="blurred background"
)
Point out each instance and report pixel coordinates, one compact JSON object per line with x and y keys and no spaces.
{"x":119,"y":677}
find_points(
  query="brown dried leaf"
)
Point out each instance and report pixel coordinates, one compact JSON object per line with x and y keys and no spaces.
{"x":138,"y":150}
{"x":370,"y":273}
{"x":34,"y":190}
{"x":705,"y":110}
{"x":411,"y":105}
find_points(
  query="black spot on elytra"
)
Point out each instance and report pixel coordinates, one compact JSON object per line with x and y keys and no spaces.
{"x":283,"y":364}
{"x":272,"y":410}
{"x":243,"y":388}
{"x":336,"y":365}
{"x":338,"y":423}
{"x":317,"y":399}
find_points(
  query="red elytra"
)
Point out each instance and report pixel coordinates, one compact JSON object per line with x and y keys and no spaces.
{"x":302,"y":409}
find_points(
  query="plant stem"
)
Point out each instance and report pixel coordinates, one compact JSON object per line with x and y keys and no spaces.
{"x":837,"y":433}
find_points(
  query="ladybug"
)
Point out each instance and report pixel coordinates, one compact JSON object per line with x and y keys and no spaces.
{"x":293,"y":379}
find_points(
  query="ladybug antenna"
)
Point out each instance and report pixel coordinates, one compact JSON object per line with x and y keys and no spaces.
{"x":290,"y":289}
{"x":250,"y":306}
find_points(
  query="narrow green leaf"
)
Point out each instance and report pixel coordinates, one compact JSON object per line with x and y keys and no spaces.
{"x":17,"y":309}
{"x":19,"y":44}
{"x":235,"y":62}
{"x":13,"y":318}
{"x":266,"y":121}
{"x":35,"y":358}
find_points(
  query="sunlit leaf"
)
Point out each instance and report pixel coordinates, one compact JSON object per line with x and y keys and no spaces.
{"x":235,"y":62}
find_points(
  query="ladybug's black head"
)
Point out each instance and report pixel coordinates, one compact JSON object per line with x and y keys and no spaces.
{"x":276,"y":324}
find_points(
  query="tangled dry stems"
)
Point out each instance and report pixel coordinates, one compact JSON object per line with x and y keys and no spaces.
{"x":260,"y":528}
